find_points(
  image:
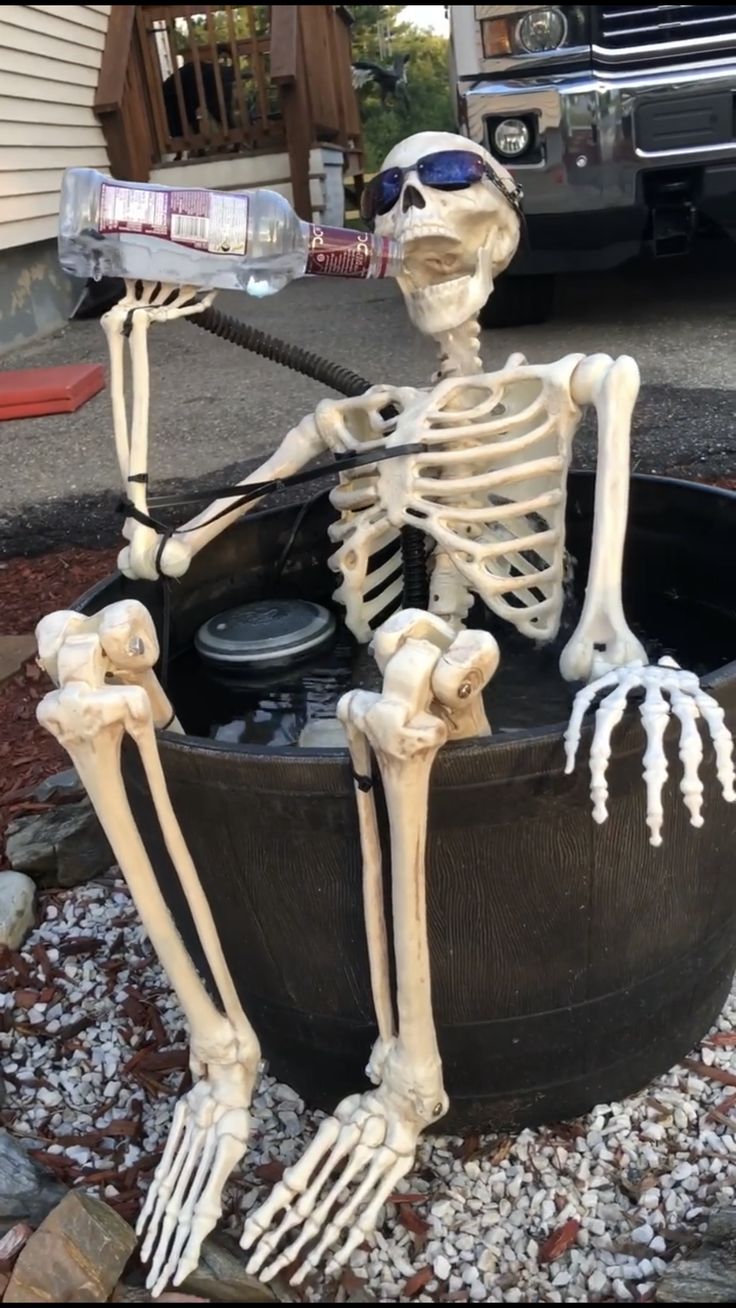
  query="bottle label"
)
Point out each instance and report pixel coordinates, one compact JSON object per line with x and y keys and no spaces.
{"x":335,"y":252}
{"x":215,"y":221}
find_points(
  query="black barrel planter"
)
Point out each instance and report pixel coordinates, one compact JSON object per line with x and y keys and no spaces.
{"x":571,"y":962}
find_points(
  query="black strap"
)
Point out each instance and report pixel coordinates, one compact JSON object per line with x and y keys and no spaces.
{"x":243,"y":495}
{"x":363,"y":783}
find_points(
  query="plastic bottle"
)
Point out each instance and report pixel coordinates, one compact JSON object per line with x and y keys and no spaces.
{"x":227,"y":239}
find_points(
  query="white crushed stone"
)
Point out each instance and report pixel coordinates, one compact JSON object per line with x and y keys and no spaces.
{"x":640,"y":1177}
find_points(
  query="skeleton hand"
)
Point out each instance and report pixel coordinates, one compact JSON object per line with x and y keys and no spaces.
{"x":208,"y":1136}
{"x":371,"y":1140}
{"x":688,"y":702}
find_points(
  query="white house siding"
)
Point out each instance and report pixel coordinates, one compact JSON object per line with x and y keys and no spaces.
{"x":50,"y":59}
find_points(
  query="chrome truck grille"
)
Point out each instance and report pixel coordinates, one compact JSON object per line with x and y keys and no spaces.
{"x":663,"y":33}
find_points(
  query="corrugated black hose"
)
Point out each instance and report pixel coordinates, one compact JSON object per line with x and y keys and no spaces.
{"x":345,"y":382}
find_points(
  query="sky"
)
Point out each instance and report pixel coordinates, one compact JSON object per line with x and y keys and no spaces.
{"x":429,"y":16}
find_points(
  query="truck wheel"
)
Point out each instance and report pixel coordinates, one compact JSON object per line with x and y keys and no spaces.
{"x":519,"y":301}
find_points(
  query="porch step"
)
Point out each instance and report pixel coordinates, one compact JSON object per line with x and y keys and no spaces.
{"x":32,"y":392}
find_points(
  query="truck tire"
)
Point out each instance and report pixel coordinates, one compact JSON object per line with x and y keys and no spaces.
{"x":519,"y":301}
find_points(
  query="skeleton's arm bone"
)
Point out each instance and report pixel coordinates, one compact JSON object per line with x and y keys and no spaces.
{"x":113,"y":323}
{"x":142,"y":305}
{"x":612,"y":387}
{"x":302,"y":444}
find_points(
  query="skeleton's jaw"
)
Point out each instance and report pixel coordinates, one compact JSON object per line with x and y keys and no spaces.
{"x":438,"y":296}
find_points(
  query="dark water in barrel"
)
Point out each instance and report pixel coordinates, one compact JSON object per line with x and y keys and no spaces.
{"x":527,"y":691}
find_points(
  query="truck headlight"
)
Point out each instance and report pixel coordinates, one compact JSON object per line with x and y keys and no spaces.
{"x":511,"y":137}
{"x":542,"y":29}
{"x":538,"y":31}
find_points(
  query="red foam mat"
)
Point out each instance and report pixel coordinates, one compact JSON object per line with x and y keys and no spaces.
{"x":31,"y":392}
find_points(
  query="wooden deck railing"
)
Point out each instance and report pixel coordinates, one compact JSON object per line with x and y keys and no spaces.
{"x":181,"y":82}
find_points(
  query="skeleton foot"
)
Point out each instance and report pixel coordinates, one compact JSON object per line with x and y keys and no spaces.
{"x":209,"y":1135}
{"x":688,"y":703}
{"x":431,"y":678}
{"x":343,"y":1181}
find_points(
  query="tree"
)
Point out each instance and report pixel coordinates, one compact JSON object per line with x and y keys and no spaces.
{"x":378,"y":34}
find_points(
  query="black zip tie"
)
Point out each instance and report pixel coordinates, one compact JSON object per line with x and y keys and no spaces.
{"x":363,"y":783}
{"x":165,"y":538}
{"x":166,"y":609}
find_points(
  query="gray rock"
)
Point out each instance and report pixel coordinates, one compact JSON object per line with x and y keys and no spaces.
{"x":14,"y":652}
{"x":709,"y":1274}
{"x":27,"y":1193}
{"x":60,"y":785}
{"x":221,"y":1276}
{"x":17,"y":901}
{"x":63,"y":846}
{"x":75,"y":1256}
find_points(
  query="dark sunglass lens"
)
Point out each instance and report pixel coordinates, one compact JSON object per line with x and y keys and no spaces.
{"x":381,"y":194}
{"x":389,"y":191}
{"x":451,"y":169}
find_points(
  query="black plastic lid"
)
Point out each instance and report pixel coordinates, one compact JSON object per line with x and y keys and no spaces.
{"x":265,"y":632}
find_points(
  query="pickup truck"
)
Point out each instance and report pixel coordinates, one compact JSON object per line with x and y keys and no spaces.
{"x":619,"y":123}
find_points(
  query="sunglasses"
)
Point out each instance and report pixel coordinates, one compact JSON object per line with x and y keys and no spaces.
{"x":446,"y":170}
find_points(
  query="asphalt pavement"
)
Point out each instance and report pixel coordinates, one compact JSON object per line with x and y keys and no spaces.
{"x":217,"y":409}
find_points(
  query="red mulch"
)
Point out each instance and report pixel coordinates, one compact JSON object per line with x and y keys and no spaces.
{"x":29,"y":589}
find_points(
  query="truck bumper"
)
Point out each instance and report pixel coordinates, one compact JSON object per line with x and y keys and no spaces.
{"x":603,"y":147}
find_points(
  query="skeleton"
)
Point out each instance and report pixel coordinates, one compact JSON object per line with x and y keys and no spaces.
{"x":103,"y":667}
{"x":485,"y":480}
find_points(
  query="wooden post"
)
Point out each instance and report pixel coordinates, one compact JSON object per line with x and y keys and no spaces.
{"x":121,"y":101}
{"x":289,"y":73}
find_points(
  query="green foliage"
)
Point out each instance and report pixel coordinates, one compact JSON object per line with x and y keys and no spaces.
{"x":378,"y":35}
{"x":199,"y":30}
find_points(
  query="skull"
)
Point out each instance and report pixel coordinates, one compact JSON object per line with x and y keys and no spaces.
{"x":455,"y":242}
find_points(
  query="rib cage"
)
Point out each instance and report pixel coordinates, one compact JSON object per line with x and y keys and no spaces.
{"x":489,"y":490}
{"x":368,"y":559}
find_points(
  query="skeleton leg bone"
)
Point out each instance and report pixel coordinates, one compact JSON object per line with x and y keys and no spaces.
{"x":211,"y":1125}
{"x":373,"y":905}
{"x":430,"y":679}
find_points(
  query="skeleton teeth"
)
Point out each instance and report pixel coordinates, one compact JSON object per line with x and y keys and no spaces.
{"x":420,"y":233}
